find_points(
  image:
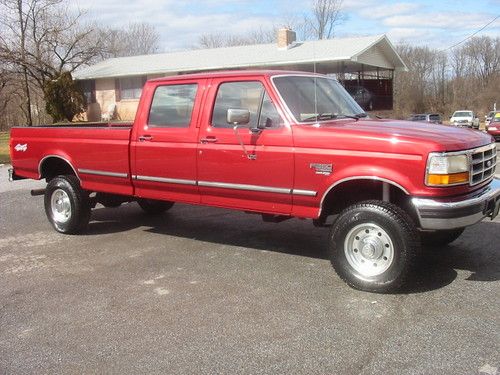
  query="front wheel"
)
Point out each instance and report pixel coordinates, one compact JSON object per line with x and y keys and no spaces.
{"x":67,"y":206}
{"x":373,"y":246}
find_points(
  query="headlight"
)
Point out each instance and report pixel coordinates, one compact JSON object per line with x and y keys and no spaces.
{"x":447,"y":170}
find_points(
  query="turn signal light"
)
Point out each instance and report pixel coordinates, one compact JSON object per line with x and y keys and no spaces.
{"x":447,"y":179}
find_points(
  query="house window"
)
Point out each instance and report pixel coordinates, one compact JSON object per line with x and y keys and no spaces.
{"x":88,"y":89}
{"x":129,"y":87}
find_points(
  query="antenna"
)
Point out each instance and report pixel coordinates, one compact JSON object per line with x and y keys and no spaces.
{"x":315,"y":83}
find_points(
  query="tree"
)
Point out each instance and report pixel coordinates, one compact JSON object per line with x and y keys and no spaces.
{"x":326,"y":15}
{"x":218,"y":40}
{"x":134,"y":39}
{"x":43,"y":39}
{"x":64,"y":98}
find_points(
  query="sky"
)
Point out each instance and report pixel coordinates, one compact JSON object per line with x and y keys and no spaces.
{"x":436,"y":23}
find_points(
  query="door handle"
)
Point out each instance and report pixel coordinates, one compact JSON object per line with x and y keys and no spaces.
{"x":143,"y":138}
{"x":209,"y":139}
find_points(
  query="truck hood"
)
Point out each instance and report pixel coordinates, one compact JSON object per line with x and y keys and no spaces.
{"x":442,"y":137}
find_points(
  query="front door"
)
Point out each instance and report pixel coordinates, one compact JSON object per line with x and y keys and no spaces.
{"x":256,"y":175}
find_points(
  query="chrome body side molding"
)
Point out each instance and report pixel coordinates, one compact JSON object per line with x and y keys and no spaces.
{"x":225,"y":185}
{"x":102,"y":173}
{"x":165,"y":180}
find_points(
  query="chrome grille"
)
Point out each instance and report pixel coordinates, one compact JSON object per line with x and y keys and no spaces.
{"x":483,"y":163}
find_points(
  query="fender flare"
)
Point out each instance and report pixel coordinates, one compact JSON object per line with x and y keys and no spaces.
{"x":40,"y":164}
{"x":353,"y":178}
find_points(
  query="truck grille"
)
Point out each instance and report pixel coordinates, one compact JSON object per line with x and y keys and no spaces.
{"x":483,"y":163}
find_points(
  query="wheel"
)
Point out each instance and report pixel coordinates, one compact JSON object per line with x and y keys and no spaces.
{"x":373,"y":246}
{"x":440,"y":237}
{"x":67,"y":205}
{"x":154,"y":207}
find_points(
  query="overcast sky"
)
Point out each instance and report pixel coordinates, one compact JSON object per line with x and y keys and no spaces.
{"x":437,"y":23}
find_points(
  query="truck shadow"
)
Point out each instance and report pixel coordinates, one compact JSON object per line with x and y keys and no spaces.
{"x":475,"y":251}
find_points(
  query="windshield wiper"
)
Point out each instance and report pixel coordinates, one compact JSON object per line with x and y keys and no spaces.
{"x":320,"y":116}
{"x":331,"y":116}
{"x":356,"y":117}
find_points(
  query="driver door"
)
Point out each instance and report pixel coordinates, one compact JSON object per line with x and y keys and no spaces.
{"x":244,"y":169}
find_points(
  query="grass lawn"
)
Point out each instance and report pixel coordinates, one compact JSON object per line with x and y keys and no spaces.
{"x":4,"y":147}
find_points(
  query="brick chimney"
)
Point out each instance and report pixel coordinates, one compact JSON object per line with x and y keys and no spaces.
{"x":285,"y":38}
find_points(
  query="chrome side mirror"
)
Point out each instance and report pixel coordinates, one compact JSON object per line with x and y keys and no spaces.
{"x":237,"y":116}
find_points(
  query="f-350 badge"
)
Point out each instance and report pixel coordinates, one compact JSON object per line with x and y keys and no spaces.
{"x":21,"y":147}
{"x":324,"y":169}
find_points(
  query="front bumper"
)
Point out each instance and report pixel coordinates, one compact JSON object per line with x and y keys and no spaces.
{"x":437,"y":214}
{"x":462,"y":124}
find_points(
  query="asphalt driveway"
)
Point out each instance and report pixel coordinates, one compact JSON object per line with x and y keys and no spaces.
{"x":209,"y":291}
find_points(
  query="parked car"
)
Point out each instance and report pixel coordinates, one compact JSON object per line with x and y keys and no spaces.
{"x":279,"y":144}
{"x":362,"y":96}
{"x":493,"y":128}
{"x":465,"y":118}
{"x":433,"y":118}
{"x":489,"y":116}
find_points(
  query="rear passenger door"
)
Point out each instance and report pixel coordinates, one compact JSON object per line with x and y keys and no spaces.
{"x":258,"y":176}
{"x":164,"y":142}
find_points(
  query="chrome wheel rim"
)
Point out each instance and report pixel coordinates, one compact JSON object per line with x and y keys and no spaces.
{"x":369,"y":249}
{"x":60,"y":206}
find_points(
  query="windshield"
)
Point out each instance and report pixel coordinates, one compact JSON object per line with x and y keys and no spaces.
{"x":462,"y":114}
{"x":312,"y":98}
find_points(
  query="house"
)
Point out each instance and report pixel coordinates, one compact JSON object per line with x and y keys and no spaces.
{"x":358,"y":62}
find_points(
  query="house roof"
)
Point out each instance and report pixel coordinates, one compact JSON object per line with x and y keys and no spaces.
{"x":342,"y":54}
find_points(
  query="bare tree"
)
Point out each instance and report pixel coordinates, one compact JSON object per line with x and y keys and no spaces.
{"x":217,"y":40}
{"x":134,"y":39}
{"x":42,"y":40}
{"x":326,"y":15}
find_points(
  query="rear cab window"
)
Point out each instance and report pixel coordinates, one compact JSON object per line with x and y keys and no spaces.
{"x":172,"y":105}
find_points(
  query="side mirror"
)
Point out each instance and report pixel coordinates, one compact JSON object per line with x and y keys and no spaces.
{"x":237,"y":116}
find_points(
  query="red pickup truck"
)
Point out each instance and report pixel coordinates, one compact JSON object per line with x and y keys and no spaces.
{"x":281,"y":144}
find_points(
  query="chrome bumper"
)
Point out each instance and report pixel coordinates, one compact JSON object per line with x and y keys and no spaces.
{"x":13,"y":176}
{"x":436,"y":214}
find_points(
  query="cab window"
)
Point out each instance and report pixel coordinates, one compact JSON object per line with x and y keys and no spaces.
{"x":172,"y":106}
{"x":248,"y":95}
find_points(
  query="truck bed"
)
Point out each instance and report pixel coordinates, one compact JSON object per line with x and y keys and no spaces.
{"x":97,"y":152}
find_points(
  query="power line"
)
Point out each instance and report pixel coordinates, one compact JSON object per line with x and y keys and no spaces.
{"x":470,"y":36}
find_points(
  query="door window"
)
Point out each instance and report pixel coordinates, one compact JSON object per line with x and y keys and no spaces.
{"x":172,"y":106}
{"x":269,"y":116}
{"x":245,"y":95}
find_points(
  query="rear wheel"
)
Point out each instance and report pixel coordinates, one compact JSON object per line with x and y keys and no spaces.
{"x":154,"y":207}
{"x":67,"y":206}
{"x":373,"y":246}
{"x":440,"y":237}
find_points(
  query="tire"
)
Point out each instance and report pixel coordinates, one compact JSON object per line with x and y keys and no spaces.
{"x":154,"y":207}
{"x":67,"y":206}
{"x":390,"y":245}
{"x":440,"y":237}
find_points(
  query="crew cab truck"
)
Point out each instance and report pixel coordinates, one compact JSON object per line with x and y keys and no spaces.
{"x":280,"y":144}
